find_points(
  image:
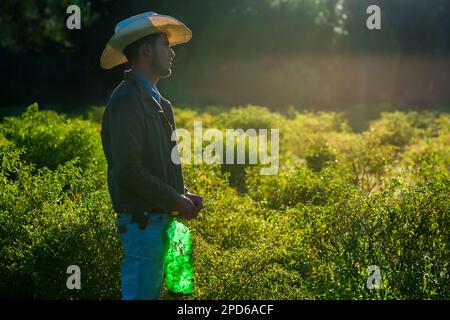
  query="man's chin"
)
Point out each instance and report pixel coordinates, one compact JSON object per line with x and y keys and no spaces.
{"x":165,"y":73}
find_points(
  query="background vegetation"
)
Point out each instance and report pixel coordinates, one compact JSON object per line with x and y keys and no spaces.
{"x":310,"y":54}
{"x":364,"y":120}
{"x":341,"y":201}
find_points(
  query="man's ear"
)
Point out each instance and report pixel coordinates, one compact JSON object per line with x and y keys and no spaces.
{"x":147,"y":49}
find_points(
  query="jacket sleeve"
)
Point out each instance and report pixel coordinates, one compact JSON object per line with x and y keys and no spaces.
{"x":127,"y":133}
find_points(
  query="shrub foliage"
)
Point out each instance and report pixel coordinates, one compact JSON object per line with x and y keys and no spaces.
{"x":341,"y":202}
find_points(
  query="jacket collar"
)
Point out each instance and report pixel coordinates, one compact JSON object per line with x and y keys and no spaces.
{"x":130,"y":75}
{"x":133,"y":77}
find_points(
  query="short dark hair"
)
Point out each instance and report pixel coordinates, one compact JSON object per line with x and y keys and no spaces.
{"x":131,"y":52}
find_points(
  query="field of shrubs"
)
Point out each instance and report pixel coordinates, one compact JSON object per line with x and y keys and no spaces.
{"x":342,"y":201}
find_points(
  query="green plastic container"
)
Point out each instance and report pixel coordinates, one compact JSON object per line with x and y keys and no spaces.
{"x":179,"y":270}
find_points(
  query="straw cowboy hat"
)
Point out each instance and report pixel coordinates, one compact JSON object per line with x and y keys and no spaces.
{"x":137,"y":27}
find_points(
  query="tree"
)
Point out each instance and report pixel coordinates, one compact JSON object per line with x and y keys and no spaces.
{"x":37,"y":26}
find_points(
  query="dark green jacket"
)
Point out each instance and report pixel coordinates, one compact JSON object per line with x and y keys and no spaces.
{"x":136,"y":137}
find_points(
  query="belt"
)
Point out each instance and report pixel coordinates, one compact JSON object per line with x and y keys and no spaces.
{"x":133,"y":211}
{"x":141,"y":217}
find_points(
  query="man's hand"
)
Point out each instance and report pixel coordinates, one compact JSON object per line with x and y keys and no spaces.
{"x":196,"y":200}
{"x":185,"y":207}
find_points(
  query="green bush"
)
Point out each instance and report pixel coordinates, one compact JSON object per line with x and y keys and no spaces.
{"x":395,"y":128}
{"x":51,"y":139}
{"x":49,"y":220}
{"x":341,"y":202}
{"x":404,"y":232}
{"x":297,"y":184}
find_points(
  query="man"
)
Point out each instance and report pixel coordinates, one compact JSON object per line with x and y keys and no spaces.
{"x":144,"y":180}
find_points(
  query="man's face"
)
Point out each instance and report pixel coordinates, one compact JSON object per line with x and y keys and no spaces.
{"x":162,"y":58}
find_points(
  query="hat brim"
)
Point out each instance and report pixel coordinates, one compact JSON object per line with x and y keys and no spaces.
{"x":175,"y":30}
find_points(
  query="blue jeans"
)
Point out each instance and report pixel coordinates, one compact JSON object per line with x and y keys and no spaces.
{"x":142,"y":268}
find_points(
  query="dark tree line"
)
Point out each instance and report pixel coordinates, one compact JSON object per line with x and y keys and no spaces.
{"x":47,"y":63}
